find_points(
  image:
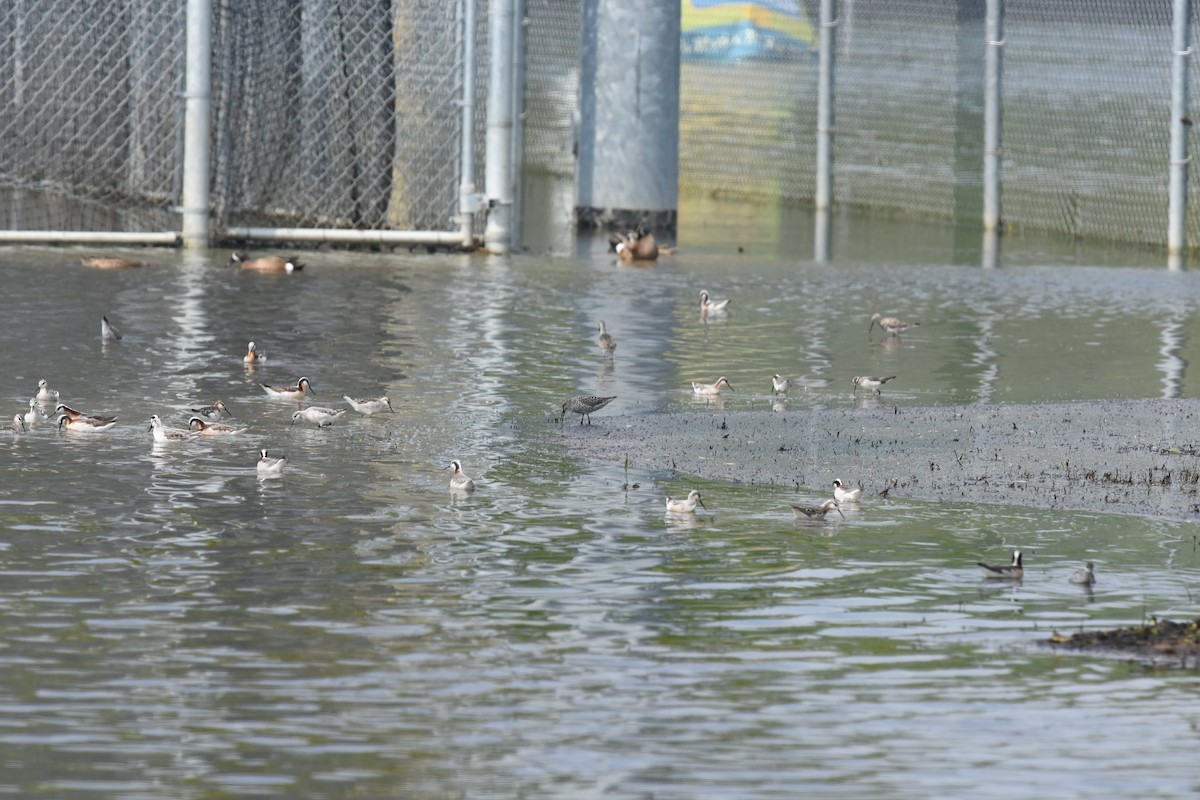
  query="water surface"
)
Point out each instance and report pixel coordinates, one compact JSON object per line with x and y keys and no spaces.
{"x":175,"y":627}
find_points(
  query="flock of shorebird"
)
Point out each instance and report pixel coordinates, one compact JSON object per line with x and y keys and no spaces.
{"x":585,"y":405}
{"x":206,"y":420}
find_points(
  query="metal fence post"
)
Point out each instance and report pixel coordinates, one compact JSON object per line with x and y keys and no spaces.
{"x":1178,"y":180}
{"x":468,"y":198}
{"x":992,"y":66}
{"x":196,"y":125}
{"x":497,"y":236}
{"x":825,"y":130}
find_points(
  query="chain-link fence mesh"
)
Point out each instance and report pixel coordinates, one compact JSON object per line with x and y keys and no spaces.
{"x":338,"y":113}
{"x":347,"y":113}
{"x":89,"y":134}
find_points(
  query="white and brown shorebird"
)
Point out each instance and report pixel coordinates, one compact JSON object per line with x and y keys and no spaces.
{"x":1085,"y":576}
{"x":212,"y":412}
{"x":163,"y":433}
{"x":711,"y":389}
{"x":890,"y":325}
{"x":95,"y":420}
{"x":1013,"y":571}
{"x":206,"y":428}
{"x":320,"y":416}
{"x":44,"y":393}
{"x":871,"y":382}
{"x":605,"y":339}
{"x":253,"y":355}
{"x":844,"y":494}
{"x":369,"y":405}
{"x":266,"y":263}
{"x":17,"y":426}
{"x":710,"y":306}
{"x":459,"y":482}
{"x":687,"y":505}
{"x":780,"y":384}
{"x":584,"y":406}
{"x":816,"y":512}
{"x":290,"y":392}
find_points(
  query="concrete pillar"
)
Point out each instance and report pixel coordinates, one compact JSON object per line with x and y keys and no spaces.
{"x":627,"y":168}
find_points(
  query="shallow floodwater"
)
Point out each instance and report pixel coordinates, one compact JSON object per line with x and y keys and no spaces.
{"x":174,"y":627}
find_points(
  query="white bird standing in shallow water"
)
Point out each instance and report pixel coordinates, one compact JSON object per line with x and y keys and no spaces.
{"x":687,"y":506}
{"x":709,"y":390}
{"x":34,"y":415}
{"x":871,"y":382}
{"x":459,"y":482}
{"x":844,"y":494}
{"x":816,"y":512}
{"x":780,"y":384}
{"x":890,"y":325}
{"x":270,"y":467}
{"x":710,"y":306}
{"x":606,"y":341}
{"x":1013,"y":571}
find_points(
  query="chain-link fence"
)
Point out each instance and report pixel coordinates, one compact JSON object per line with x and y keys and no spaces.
{"x":89,"y":133}
{"x":347,"y":113}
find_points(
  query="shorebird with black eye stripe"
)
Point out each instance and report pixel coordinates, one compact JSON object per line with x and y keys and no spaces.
{"x":296,"y":392}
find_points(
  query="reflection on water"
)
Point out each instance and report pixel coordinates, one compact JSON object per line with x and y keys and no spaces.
{"x":176,"y":627}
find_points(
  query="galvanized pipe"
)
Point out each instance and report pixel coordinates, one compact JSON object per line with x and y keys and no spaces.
{"x":194,"y":200}
{"x":468,"y":198}
{"x":1178,"y":178}
{"x":497,"y":236}
{"x":347,"y":236}
{"x":166,"y":238}
{"x":992,"y":66}
{"x":825,"y":131}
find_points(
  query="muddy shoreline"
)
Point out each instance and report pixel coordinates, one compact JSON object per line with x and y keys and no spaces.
{"x":1125,"y":457}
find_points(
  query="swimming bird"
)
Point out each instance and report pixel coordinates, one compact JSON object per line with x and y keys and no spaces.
{"x":369,"y":405}
{"x":266,"y":263}
{"x":34,"y":415}
{"x":97,"y":419}
{"x":780,"y":384}
{"x":108,"y":332}
{"x":253,"y":355}
{"x":605,"y":339}
{"x":1085,"y":576}
{"x":206,"y":428}
{"x":162,"y":433}
{"x":84,"y":424}
{"x":637,"y":245}
{"x":584,"y":406}
{"x":711,"y":389}
{"x":318,"y":415}
{"x":269,"y":467}
{"x":459,"y":482}
{"x":212,"y":412}
{"x":843,"y":494}
{"x":44,"y":393}
{"x":290,"y":392}
{"x":687,"y":506}
{"x":1013,"y":571}
{"x":871,"y":382}
{"x":17,"y":426}
{"x":816,"y":512}
{"x":710,"y":306}
{"x":110,"y":262}
{"x":890,"y":325}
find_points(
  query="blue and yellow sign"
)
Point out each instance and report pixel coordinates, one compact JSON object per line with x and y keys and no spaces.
{"x":758,"y":29}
